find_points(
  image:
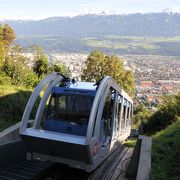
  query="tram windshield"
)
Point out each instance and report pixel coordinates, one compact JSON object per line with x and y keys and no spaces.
{"x":68,"y":113}
{"x":74,"y":108}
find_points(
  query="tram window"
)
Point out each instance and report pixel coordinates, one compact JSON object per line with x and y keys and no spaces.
{"x":119,"y":99}
{"x":128,"y":109}
{"x":62,"y":103}
{"x":107,"y":116}
{"x":51,"y":108}
{"x":124,"y":113}
{"x":117,"y":112}
{"x":124,"y":108}
{"x":131,"y":113}
{"x":72,"y":108}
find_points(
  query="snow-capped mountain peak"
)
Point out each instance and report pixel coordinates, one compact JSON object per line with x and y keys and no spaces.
{"x":172,"y":10}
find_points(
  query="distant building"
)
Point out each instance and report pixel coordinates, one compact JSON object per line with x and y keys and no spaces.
{"x":146,"y":84}
{"x":75,"y":62}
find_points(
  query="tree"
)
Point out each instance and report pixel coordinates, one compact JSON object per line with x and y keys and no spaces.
{"x":12,"y":62}
{"x":167,"y":113}
{"x":128,"y":82}
{"x":31,"y":79}
{"x":98,"y":65}
{"x":1,"y":46}
{"x":94,"y":67}
{"x":61,"y":68}
{"x":15,"y":67}
{"x":41,"y":65}
{"x":17,"y":49}
{"x":8,"y":37}
{"x":141,"y":115}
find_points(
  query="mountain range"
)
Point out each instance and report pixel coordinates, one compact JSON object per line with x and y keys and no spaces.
{"x":112,"y":33}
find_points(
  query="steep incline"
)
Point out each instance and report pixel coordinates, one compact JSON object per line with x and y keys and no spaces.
{"x":166,"y":153}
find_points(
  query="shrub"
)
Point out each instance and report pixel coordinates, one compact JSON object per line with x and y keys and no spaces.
{"x":31,"y":80}
{"x":167,"y":113}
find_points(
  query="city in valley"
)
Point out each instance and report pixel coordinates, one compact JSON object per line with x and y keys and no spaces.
{"x":154,"y":75}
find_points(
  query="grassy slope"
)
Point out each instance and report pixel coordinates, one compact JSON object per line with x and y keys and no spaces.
{"x":12,"y":103}
{"x":130,"y":142}
{"x":166,"y":154}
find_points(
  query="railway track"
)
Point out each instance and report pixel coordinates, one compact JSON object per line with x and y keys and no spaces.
{"x":105,"y":171}
{"x":26,"y":170}
{"x":37,"y":170}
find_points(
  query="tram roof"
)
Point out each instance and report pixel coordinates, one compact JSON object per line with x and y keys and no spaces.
{"x":83,"y":85}
{"x":87,"y":87}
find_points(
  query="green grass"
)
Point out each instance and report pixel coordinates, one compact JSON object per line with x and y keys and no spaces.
{"x":166,"y":154}
{"x":97,"y":43}
{"x":135,"y":38}
{"x":130,"y":42}
{"x":125,"y":42}
{"x":120,"y":46}
{"x":130,"y":142}
{"x":164,"y":39}
{"x":13,"y":100}
{"x":146,"y":46}
{"x":11,"y":89}
{"x":145,"y":39}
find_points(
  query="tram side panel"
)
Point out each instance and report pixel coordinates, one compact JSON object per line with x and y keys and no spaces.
{"x":111,"y":122}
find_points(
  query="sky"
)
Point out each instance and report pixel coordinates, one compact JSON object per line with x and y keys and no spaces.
{"x":39,"y":9}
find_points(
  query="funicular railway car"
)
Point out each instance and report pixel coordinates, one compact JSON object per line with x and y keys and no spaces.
{"x":77,"y":123}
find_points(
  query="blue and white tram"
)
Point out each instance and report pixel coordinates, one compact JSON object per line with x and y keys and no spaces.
{"x":78,"y":124}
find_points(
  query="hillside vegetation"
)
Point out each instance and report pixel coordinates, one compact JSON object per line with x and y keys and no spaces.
{"x":164,"y":127}
{"x":13,"y":100}
{"x":18,"y":78}
{"x":167,"y":113}
{"x":166,"y":153}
